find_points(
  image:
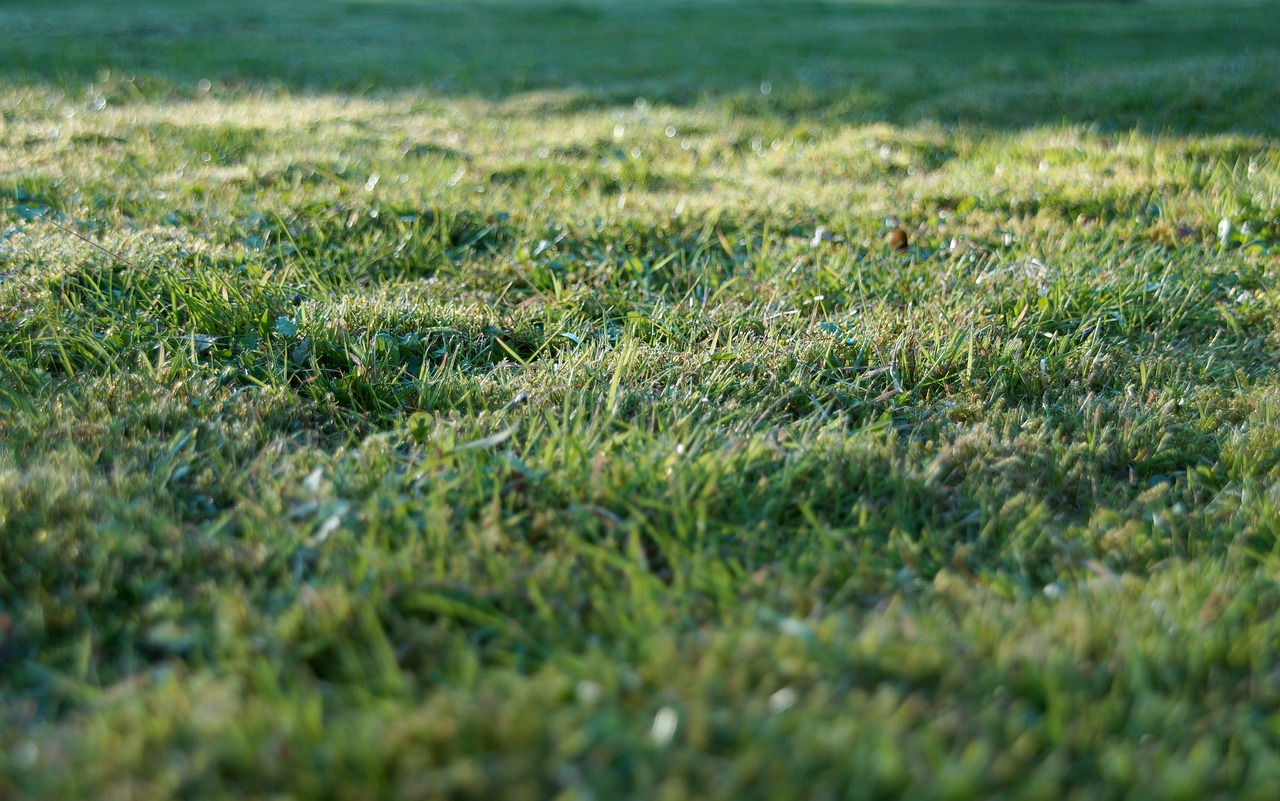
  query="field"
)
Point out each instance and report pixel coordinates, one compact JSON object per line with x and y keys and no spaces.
{"x":665,"y":400}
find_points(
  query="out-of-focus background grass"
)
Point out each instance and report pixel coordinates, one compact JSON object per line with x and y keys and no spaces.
{"x":1160,"y":64}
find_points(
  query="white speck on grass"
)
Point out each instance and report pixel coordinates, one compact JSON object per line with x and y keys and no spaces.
{"x":314,"y":481}
{"x":372,"y":182}
{"x":202,"y":342}
{"x":326,"y":528}
{"x":820,"y":235}
{"x":26,"y":754}
{"x":664,"y":726}
{"x":795,"y":627}
{"x":783,"y":700}
{"x":1224,"y":230}
{"x":588,"y":693}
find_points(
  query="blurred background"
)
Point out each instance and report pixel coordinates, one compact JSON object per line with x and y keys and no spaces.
{"x":1159,"y":65}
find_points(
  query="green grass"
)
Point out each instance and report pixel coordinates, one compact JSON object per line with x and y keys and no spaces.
{"x":474,"y":408}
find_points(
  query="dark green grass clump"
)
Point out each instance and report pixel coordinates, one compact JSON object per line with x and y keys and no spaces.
{"x":459,"y":418}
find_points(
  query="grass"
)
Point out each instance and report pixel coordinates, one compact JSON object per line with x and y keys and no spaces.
{"x":474,"y":406}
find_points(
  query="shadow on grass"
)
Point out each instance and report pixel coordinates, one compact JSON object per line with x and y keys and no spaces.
{"x":1180,"y":67}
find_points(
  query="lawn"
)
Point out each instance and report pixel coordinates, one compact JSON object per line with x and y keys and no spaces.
{"x":669,"y":400}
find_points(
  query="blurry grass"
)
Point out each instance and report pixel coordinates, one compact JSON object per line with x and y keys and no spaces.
{"x":1158,"y":64}
{"x":513,"y":429}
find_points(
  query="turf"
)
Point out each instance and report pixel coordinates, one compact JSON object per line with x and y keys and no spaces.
{"x":513,"y":400}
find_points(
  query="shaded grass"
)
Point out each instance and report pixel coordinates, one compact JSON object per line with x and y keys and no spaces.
{"x":1003,"y":64}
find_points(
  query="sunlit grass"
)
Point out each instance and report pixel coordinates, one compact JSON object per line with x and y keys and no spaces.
{"x":461,"y":414}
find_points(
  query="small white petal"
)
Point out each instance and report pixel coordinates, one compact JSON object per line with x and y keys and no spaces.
{"x":664,"y":726}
